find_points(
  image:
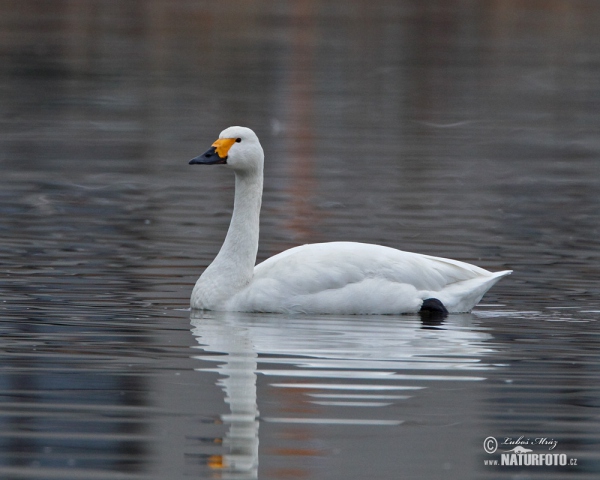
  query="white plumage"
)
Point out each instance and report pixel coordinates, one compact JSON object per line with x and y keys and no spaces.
{"x":331,"y":278}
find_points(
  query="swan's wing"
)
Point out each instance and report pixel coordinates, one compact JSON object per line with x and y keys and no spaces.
{"x":346,"y":277}
{"x":320,"y":266}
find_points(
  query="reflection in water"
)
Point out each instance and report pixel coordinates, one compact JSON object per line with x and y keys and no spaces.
{"x":301,"y":215}
{"x":327,"y":361}
{"x":239,"y":383}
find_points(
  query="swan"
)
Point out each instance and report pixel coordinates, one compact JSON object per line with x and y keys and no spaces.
{"x":320,"y":278}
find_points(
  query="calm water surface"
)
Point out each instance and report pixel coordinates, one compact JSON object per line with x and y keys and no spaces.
{"x":462,"y":129}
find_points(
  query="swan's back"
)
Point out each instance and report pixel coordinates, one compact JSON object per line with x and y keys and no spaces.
{"x":352,"y":278}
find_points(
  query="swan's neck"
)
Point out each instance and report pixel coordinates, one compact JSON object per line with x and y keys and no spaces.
{"x":241,"y":243}
{"x":233,"y":267}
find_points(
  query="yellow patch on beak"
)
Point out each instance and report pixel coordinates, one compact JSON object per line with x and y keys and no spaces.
{"x":223,"y":145}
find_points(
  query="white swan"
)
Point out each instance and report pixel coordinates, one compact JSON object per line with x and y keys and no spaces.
{"x":330,"y":278}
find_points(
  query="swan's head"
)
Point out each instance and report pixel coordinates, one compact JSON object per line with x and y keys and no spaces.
{"x":238,"y":148}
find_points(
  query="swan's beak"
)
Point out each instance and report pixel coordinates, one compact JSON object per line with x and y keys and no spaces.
{"x":217,"y":154}
{"x":210,"y":157}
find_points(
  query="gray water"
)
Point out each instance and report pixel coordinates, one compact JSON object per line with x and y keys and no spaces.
{"x":466,"y":129}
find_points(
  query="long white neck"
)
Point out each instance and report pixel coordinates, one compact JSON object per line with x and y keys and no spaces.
{"x":233,"y":267}
{"x":241,"y":243}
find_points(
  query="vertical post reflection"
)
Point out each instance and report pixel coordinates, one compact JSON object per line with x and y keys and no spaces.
{"x":301,"y":120}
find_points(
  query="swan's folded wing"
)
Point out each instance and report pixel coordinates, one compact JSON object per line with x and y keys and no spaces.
{"x":359,"y":278}
{"x":319,"y":266}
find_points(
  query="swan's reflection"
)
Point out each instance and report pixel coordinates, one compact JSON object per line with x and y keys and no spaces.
{"x":220,"y":334}
{"x":366,"y":361}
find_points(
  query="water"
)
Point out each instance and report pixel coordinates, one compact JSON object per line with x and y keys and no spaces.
{"x":467,"y":130}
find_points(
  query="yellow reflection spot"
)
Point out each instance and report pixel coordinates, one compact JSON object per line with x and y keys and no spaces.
{"x":216,"y":462}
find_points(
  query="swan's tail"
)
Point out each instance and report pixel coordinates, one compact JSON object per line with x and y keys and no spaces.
{"x":461,"y":297}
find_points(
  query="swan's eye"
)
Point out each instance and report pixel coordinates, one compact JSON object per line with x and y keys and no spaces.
{"x":238,"y":140}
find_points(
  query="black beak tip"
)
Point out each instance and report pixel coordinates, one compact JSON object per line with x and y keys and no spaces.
{"x":210,"y":157}
{"x":205,"y":158}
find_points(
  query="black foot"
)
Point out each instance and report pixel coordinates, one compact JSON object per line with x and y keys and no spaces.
{"x":433,"y":305}
{"x":432,"y":313}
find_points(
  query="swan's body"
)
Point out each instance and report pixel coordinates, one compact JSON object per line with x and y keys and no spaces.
{"x":338,"y":277}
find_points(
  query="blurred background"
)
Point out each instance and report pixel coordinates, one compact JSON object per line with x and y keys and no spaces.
{"x":473,"y":121}
{"x":460,"y":128}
